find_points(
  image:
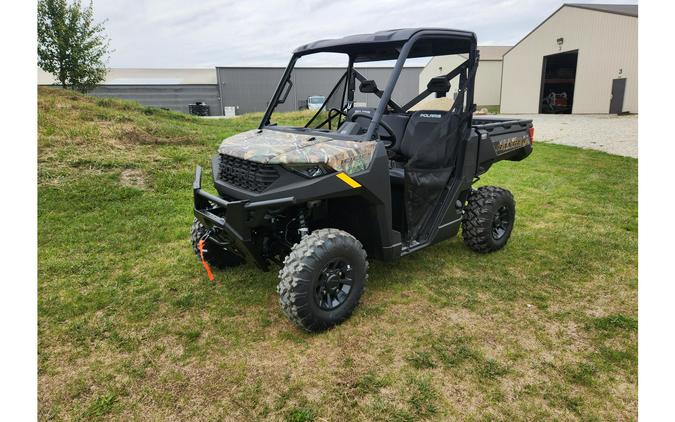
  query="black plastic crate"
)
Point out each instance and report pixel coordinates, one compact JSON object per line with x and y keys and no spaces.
{"x":199,"y":109}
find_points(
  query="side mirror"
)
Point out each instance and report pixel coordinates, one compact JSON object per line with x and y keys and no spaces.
{"x":368,"y":87}
{"x":439,"y":85}
{"x":289,"y":85}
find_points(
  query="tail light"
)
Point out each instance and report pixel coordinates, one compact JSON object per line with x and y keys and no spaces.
{"x":530,"y":133}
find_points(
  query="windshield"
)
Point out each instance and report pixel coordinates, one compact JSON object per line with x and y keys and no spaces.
{"x":314,"y":97}
{"x":363,"y":102}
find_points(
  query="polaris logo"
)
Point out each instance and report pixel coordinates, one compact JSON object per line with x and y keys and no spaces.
{"x":431,"y":116}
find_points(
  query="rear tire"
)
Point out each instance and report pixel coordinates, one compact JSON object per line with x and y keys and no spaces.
{"x":488,"y":219}
{"x":216,"y":256}
{"x":322,"y":279}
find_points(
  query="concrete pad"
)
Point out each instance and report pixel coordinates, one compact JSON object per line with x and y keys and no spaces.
{"x":603,"y":132}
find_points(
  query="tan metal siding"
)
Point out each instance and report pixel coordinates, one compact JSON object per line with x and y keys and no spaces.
{"x":607,"y":45}
{"x":488,"y":77}
{"x":160,"y":76}
{"x":437,"y":66}
{"x":488,"y":83}
{"x":134,"y":76}
{"x":46,"y":78}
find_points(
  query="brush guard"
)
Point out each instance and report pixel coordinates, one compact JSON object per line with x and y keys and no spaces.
{"x":230,"y":221}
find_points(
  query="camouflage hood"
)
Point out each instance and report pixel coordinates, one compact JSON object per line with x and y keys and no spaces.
{"x":274,"y":147}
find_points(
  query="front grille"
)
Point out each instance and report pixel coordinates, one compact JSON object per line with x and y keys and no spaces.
{"x":247,"y":175}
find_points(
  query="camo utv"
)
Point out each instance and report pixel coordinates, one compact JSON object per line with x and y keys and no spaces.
{"x":368,"y":175}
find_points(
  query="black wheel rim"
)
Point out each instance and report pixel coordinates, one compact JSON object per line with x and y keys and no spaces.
{"x":501,"y":222}
{"x":334,"y":284}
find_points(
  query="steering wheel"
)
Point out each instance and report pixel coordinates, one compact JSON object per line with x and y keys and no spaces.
{"x":387,"y":143}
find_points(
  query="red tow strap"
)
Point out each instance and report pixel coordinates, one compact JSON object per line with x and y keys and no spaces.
{"x":206,"y":264}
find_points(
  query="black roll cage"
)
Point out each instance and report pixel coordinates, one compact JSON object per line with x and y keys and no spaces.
{"x":464,"y":99}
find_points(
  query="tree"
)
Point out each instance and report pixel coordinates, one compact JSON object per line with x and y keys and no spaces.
{"x":70,"y":45}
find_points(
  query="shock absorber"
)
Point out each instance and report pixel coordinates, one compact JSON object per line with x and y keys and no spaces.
{"x":303,"y":230}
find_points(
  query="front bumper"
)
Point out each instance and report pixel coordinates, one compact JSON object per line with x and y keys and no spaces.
{"x":232,"y":221}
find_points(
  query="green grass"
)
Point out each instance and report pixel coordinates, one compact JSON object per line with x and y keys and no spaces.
{"x":130,"y":327}
{"x":492,"y":109}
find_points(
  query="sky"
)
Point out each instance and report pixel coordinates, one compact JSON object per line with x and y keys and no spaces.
{"x":209,"y":33}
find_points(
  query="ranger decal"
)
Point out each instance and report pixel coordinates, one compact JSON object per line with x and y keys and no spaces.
{"x":503,"y":146}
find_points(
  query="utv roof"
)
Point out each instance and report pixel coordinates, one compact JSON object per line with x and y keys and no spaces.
{"x":385,"y":45}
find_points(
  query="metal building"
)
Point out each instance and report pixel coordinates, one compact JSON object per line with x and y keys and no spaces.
{"x":173,"y":89}
{"x":242,"y":89}
{"x":581,"y":59}
{"x":249,"y":89}
{"x":172,"y":97}
{"x":488,"y":76}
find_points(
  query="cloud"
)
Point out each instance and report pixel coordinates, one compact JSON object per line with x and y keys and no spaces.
{"x":208,"y":33}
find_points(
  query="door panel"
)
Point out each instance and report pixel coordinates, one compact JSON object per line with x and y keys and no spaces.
{"x":616,"y":101}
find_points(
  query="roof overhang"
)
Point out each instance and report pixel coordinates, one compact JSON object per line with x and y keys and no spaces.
{"x":626,"y":10}
{"x":617,"y":9}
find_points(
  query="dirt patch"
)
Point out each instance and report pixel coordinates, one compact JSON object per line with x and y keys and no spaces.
{"x":133,"y":178}
{"x":134,"y":135}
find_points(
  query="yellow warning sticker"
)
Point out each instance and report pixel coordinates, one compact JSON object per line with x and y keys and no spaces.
{"x":348,"y":180}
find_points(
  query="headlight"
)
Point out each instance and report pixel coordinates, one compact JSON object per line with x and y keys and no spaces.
{"x":310,"y":170}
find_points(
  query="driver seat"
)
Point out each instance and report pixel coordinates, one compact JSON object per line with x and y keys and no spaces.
{"x":420,"y":126}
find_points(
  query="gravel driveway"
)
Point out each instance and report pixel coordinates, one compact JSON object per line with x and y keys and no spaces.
{"x":610,"y":133}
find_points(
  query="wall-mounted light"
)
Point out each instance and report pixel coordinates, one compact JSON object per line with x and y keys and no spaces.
{"x":560,"y":42}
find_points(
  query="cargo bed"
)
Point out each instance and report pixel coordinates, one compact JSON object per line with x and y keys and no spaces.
{"x":502,"y":139}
